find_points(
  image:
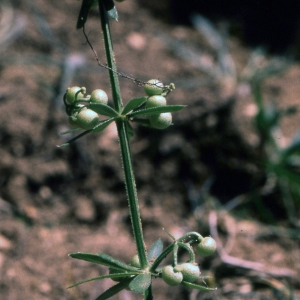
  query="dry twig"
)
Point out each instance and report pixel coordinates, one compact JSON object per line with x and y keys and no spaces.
{"x":242,"y":263}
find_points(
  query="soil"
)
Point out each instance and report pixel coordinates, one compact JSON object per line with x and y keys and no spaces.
{"x":55,"y":201}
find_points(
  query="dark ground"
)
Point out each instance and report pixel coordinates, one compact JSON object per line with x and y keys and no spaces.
{"x":54,"y":201}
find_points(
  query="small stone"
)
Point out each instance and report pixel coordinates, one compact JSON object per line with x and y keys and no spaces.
{"x":85,"y":210}
{"x":136,"y":41}
{"x":2,"y":259}
{"x":45,"y":288}
{"x":5,"y":244}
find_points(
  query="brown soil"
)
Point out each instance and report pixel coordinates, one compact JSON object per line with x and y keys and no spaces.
{"x":55,"y":201}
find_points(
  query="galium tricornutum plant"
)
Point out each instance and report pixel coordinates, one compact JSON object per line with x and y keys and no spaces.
{"x":149,"y":110}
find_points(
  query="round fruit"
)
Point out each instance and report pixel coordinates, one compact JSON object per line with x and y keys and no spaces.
{"x":87,"y":119}
{"x":161,"y":121}
{"x":154,"y":87}
{"x":135,"y":262}
{"x":99,"y":96}
{"x":71,"y":94}
{"x":155,"y":101}
{"x":190,"y":272}
{"x":170,"y":276}
{"x":206,"y":247}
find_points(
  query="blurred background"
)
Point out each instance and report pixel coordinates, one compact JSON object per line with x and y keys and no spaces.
{"x":228,"y":168}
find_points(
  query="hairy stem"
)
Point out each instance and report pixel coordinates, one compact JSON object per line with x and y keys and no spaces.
{"x":116,"y":93}
{"x":124,"y":143}
{"x":132,"y":193}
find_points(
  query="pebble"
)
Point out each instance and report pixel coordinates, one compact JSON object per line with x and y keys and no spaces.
{"x":85,"y":210}
{"x":5,"y":244}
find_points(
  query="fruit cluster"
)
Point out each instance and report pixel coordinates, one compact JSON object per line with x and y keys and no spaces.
{"x":176,"y":273}
{"x":81,"y":116}
{"x":150,"y":111}
{"x":189,"y":272}
{"x":84,"y":110}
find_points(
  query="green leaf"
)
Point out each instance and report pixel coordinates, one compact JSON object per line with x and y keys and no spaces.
{"x":83,"y":13}
{"x":114,"y":290}
{"x":133,"y":104}
{"x":113,"y":13}
{"x":197,"y":287}
{"x":156,"y":110}
{"x":161,"y":257}
{"x":155,"y":250}
{"x":70,"y":131}
{"x":283,"y":172}
{"x":103,"y":109}
{"x":122,"y":275}
{"x":75,"y":138}
{"x":93,"y":279}
{"x":103,"y":259}
{"x":101,"y":126}
{"x":140,"y":283}
{"x":129,"y":129}
{"x":293,"y":161}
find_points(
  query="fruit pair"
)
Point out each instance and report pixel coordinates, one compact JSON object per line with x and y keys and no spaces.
{"x":182,"y":272}
{"x":84,"y":118}
{"x":75,"y":94}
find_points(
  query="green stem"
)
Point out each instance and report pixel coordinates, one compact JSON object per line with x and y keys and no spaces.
{"x":188,"y":248}
{"x":124,"y":143}
{"x":132,"y":193}
{"x":116,"y":93}
{"x":148,"y":293}
{"x":191,"y":237}
{"x":161,"y":257}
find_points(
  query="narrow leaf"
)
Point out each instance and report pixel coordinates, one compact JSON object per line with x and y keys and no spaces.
{"x":113,"y":13}
{"x":283,"y":172}
{"x":103,"y":109}
{"x":140,"y":283}
{"x":114,"y":290}
{"x":156,"y":110}
{"x":155,"y":250}
{"x":197,"y":287}
{"x":75,"y":138}
{"x":129,"y":129}
{"x":70,"y":131}
{"x":161,"y":257}
{"x":83,"y":13}
{"x":103,"y":259}
{"x":88,"y":280}
{"x":122,"y":275}
{"x":100,"y":127}
{"x":133,"y":104}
